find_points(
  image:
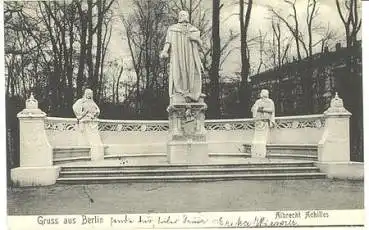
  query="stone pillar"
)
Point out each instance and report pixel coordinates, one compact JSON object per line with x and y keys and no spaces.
{"x":36,"y":153}
{"x":90,"y":130}
{"x":187,"y":141}
{"x":334,"y":145}
{"x":259,"y":141}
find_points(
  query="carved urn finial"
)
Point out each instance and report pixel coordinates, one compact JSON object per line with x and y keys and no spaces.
{"x":31,"y":102}
{"x":336,"y":106}
{"x":337,"y":102}
{"x":31,"y":109}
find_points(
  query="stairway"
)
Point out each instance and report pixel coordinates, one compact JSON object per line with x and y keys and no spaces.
{"x":290,"y":151}
{"x":307,"y":152}
{"x":179,"y":173}
{"x":71,"y":154}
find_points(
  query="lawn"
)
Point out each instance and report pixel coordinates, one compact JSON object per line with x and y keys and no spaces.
{"x":186,"y":197}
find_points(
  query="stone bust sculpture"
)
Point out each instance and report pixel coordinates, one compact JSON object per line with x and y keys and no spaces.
{"x":182,"y":46}
{"x":264,"y":108}
{"x":85,"y":108}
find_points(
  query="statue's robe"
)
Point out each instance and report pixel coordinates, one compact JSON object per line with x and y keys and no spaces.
{"x":85,"y":109}
{"x":185,"y":63}
{"x":268,"y":110}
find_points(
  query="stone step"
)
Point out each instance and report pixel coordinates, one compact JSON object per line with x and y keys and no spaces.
{"x":185,"y":166}
{"x":134,"y":155}
{"x":293,"y":152}
{"x":290,"y":151}
{"x":64,"y":160}
{"x":183,"y":172}
{"x":293,"y":146}
{"x":71,"y":148}
{"x":70,"y":152}
{"x":233,"y":155}
{"x":192,"y":178}
{"x":292,"y":156}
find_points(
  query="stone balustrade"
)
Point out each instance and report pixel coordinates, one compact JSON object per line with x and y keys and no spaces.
{"x":223,"y":135}
{"x":150,"y":136}
{"x":40,"y":134}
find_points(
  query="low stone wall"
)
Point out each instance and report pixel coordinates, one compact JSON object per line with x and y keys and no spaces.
{"x":228,"y":135}
{"x":143,"y":137}
{"x":64,"y":132}
{"x":297,"y":130}
{"x":133,"y":137}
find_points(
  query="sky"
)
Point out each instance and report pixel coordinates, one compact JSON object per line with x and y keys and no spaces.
{"x":260,"y":20}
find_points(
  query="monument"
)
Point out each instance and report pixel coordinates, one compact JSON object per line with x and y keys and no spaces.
{"x":87,"y":112}
{"x":187,"y":142}
{"x":263,"y":111}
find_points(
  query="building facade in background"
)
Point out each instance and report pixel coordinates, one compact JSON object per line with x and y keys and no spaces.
{"x":330,"y":70}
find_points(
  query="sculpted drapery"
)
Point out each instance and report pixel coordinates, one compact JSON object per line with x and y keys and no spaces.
{"x":264,"y":108}
{"x":182,"y":45}
{"x":85,"y":108}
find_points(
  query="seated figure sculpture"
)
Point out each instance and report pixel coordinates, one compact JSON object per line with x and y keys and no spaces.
{"x":85,"y":108}
{"x":264,"y":108}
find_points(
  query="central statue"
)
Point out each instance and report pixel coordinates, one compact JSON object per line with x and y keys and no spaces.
{"x":182,"y":46}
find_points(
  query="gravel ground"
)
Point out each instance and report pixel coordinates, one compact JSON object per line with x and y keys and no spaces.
{"x":186,"y":197}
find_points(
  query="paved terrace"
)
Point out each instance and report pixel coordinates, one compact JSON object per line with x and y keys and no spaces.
{"x":186,"y":197}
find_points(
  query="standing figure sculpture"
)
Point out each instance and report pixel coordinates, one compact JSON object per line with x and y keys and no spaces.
{"x":85,"y":108}
{"x":182,"y":46}
{"x":264,"y":108}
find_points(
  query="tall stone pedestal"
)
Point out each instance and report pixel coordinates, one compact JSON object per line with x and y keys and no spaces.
{"x":187,"y":142}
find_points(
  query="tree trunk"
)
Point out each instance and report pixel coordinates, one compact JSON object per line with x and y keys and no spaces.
{"x":95,"y":79}
{"x":214,"y":103}
{"x":89,"y":43}
{"x":245,"y":64}
{"x":82,"y":54}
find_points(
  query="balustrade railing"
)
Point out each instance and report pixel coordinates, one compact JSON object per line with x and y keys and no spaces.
{"x":229,"y":124}
{"x":133,"y":125}
{"x":61,"y":124}
{"x":298,"y":122}
{"x":287,"y":122}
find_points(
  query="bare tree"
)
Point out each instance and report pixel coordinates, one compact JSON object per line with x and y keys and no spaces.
{"x":262,"y":38}
{"x":244,"y":18}
{"x":292,"y":27}
{"x":278,"y":50}
{"x":55,"y":36}
{"x":145,"y":30}
{"x":350,"y":18}
{"x":311,"y":13}
{"x":214,"y":103}
{"x":328,"y":36}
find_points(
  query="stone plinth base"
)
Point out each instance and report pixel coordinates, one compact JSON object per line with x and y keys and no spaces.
{"x":343,"y":170}
{"x":35,"y":176}
{"x":182,"y":152}
{"x":187,"y":141}
{"x":91,"y":133}
{"x":259,"y":141}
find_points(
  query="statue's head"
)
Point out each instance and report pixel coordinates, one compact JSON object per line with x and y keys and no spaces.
{"x":183,"y":16}
{"x":264,"y":93}
{"x":88,"y":94}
